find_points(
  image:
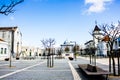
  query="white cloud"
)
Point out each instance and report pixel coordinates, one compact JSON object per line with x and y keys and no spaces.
{"x":96,"y":6}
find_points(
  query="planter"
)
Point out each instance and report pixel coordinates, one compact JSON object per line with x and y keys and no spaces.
{"x":6,"y":59}
{"x":17,"y":58}
{"x":70,"y":58}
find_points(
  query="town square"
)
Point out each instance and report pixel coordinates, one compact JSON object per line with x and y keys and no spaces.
{"x":59,"y":40}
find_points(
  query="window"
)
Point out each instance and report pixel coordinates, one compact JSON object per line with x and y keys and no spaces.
{"x":1,"y":50}
{"x":5,"y":51}
{"x":30,"y":53}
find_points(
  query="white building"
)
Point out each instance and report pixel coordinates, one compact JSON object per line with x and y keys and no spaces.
{"x":4,"y":50}
{"x":13,"y":37}
{"x":100,"y":44}
{"x":70,"y":53}
{"x":89,"y":44}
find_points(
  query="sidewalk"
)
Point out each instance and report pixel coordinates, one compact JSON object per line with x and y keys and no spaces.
{"x":103,"y":63}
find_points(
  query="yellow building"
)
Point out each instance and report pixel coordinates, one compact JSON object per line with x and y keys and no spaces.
{"x":29,"y":52}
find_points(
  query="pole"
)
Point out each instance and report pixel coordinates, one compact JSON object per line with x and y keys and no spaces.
{"x":12,"y":46}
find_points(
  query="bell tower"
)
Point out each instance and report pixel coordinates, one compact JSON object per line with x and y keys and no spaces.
{"x":97,"y":35}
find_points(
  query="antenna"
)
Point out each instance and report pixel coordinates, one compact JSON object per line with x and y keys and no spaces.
{"x":95,"y":22}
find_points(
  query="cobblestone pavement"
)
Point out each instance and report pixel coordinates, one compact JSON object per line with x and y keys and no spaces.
{"x":37,"y":70}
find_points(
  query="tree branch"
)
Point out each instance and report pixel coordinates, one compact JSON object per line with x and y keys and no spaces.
{"x":8,"y":7}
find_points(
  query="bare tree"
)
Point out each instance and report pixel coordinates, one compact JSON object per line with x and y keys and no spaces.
{"x":75,"y":50}
{"x":6,"y":6}
{"x":111,"y":33}
{"x":48,"y":45}
{"x":67,"y":49}
{"x":59,"y":52}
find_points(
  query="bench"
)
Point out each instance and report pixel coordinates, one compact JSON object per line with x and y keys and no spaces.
{"x":93,"y":70}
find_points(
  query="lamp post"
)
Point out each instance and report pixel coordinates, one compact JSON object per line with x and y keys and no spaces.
{"x":12,"y":45}
{"x":75,"y":48}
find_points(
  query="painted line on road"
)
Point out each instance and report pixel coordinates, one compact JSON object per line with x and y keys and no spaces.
{"x":3,"y":64}
{"x":74,"y":72}
{"x":17,"y":71}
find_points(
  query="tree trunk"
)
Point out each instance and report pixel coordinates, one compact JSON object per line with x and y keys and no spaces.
{"x":94,"y":60}
{"x":90,"y":59}
{"x":109,"y":63}
{"x":52,"y":60}
{"x":50,"y":65}
{"x":114,"y":69}
{"x":113,"y":60}
{"x":118,"y":64}
{"x":47,"y":60}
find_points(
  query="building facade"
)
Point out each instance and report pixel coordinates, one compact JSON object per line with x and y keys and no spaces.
{"x":68,"y":53}
{"x":98,"y":42}
{"x":13,"y":37}
{"x":4,"y":50}
{"x":29,"y":52}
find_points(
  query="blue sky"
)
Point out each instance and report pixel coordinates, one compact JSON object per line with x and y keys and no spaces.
{"x":62,"y":20}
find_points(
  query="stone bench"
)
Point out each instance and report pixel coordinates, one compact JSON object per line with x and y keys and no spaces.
{"x":93,"y":70}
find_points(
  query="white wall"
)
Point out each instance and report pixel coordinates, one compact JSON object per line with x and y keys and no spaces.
{"x":4,"y":50}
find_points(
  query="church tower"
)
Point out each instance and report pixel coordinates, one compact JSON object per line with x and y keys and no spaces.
{"x":98,"y":43}
{"x":97,"y":35}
